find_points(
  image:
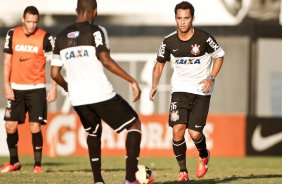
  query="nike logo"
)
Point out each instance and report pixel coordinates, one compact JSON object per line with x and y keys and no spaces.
{"x":40,"y":118}
{"x":174,"y":50}
{"x":261,"y":143}
{"x":37,"y":147}
{"x":198,"y":126}
{"x":23,"y":59}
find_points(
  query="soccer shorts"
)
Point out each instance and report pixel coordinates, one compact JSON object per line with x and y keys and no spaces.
{"x":190,"y":109}
{"x":116,"y":112}
{"x":32,"y":101}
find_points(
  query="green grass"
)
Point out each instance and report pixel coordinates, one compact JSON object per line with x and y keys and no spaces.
{"x":68,"y":170}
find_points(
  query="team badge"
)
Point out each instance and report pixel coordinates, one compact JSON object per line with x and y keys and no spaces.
{"x":174,"y":116}
{"x":195,"y":49}
{"x":8,"y":113}
{"x":73,"y":34}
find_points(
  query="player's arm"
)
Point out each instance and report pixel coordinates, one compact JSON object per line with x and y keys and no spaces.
{"x":156,"y":75}
{"x":112,"y":66}
{"x":48,"y":46}
{"x":58,"y":78}
{"x":8,"y":51}
{"x":9,"y":93}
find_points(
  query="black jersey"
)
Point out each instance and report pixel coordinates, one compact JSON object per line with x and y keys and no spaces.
{"x":77,"y":48}
{"x":191,"y":59}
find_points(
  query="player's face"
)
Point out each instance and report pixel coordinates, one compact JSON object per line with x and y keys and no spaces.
{"x":184,"y":20}
{"x":30,"y":22}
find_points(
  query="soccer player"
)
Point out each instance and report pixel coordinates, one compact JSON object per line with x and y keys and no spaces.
{"x":82,"y":49}
{"x":25,"y":52}
{"x":197,"y":60}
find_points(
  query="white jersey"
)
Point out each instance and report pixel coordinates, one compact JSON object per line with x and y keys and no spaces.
{"x":77,"y":48}
{"x":191,"y":60}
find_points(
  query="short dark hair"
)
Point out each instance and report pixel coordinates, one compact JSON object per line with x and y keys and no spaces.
{"x":32,"y":10}
{"x":84,"y":5}
{"x":185,"y":5}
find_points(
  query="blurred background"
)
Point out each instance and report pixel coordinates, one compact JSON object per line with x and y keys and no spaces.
{"x":246,"y":105}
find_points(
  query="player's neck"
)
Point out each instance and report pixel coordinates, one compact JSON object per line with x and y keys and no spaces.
{"x":187,"y":35}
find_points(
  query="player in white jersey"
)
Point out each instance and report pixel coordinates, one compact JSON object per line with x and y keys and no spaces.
{"x":197,"y":61}
{"x":82,"y":49}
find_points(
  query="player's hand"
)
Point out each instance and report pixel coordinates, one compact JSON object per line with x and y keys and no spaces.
{"x":9,"y":93}
{"x":136,"y":91}
{"x":207,"y":85}
{"x":153,"y":93}
{"x":52,"y":95}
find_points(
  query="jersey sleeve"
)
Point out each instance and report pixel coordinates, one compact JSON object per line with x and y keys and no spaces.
{"x":163,"y":54}
{"x":100,"y":40}
{"x":56,"y":57}
{"x":48,"y":45}
{"x":8,"y":43}
{"x":213,"y":48}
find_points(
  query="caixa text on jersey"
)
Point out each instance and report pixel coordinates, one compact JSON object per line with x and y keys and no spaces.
{"x":182,"y":61}
{"x":76,"y":54}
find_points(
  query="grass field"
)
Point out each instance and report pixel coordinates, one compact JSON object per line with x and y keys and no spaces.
{"x":76,"y":170}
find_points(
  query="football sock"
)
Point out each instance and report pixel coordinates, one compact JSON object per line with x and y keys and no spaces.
{"x":94,"y":150}
{"x":201,"y":147}
{"x":179,"y":149}
{"x":12,"y":141}
{"x":132,"y":145}
{"x":37,"y":143}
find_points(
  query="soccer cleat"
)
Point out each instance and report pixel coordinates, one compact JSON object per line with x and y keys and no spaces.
{"x":128,"y":182}
{"x":37,"y":169}
{"x":9,"y":167}
{"x":202,"y":166}
{"x":183,"y":177}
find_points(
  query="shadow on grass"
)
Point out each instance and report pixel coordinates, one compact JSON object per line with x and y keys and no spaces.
{"x":225,"y":180}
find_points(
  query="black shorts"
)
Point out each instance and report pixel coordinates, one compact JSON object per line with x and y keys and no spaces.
{"x":32,"y":101}
{"x":190,"y":109}
{"x":116,"y":112}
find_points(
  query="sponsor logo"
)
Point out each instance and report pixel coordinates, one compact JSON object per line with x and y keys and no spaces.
{"x":198,"y":126}
{"x":98,"y":38}
{"x":76,"y":54}
{"x":162,"y":50}
{"x":212,"y":43}
{"x":187,"y":61}
{"x":261,"y":143}
{"x":6,"y":46}
{"x":73,"y":34}
{"x":52,"y":41}
{"x":26,"y":48}
{"x":195,"y":49}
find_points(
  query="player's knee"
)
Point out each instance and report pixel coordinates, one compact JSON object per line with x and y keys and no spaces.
{"x":195,"y":136}
{"x":136,"y":125}
{"x":11,"y":127}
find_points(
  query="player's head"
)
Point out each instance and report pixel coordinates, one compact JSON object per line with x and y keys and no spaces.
{"x":30,"y":19}
{"x":184,"y":16}
{"x":86,"y":10}
{"x":184,"y":5}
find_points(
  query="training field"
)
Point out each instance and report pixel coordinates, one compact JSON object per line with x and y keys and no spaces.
{"x":76,"y":170}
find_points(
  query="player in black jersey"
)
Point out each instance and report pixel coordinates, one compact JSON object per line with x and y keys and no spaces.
{"x":82,"y":48}
{"x":197,"y":59}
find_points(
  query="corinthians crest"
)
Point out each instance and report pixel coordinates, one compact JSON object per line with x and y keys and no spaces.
{"x":195,"y":49}
{"x":174,"y":116}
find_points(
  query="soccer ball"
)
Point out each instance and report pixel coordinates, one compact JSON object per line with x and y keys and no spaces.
{"x":144,"y":175}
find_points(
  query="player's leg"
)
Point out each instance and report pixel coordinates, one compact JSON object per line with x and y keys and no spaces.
{"x":36,"y":105}
{"x":178,"y":118}
{"x":119,"y":115}
{"x":198,"y":121}
{"x":92,"y":125}
{"x":14,"y":114}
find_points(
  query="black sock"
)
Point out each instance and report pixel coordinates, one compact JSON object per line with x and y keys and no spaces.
{"x":202,"y":147}
{"x":94,"y":150}
{"x":179,"y":149}
{"x":37,"y":143}
{"x":12,"y":141}
{"x":132,"y":145}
